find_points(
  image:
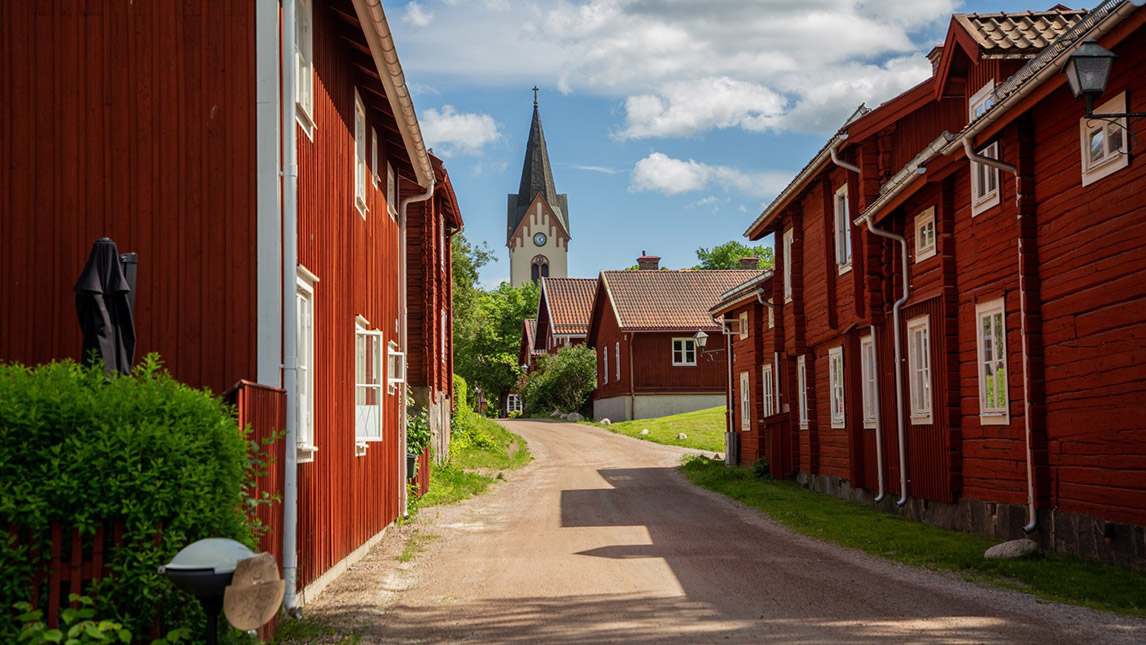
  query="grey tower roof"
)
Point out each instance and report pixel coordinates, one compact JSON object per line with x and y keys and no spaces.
{"x":536,"y":177}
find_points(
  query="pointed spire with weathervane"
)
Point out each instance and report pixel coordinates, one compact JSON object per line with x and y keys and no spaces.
{"x":536,"y":177}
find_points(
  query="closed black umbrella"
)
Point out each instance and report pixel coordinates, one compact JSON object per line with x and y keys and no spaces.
{"x":102,"y":302}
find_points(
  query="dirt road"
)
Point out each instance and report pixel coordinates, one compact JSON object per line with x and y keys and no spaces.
{"x":601,"y":540}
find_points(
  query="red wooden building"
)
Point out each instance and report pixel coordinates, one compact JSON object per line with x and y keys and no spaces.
{"x":643,"y":326}
{"x":563,"y":308}
{"x":267,"y":254}
{"x":958,"y":295}
{"x":526,"y":354}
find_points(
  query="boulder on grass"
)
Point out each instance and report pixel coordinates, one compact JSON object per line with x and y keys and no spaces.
{"x":682,"y":436}
{"x":555,"y":414}
{"x":575,"y":417}
{"x":1013,"y":550}
{"x":644,"y":432}
{"x":606,"y":421}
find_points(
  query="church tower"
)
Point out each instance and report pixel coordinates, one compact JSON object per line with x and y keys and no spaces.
{"x":537,"y":230}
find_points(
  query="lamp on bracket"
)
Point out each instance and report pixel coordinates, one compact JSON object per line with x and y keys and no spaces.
{"x":1087,"y":70}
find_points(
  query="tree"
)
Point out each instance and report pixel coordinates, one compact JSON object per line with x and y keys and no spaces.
{"x":728,"y":255}
{"x":562,"y":382}
{"x":487,"y":335}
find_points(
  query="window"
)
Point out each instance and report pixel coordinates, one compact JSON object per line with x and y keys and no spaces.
{"x":305,"y":374}
{"x":513,"y":403}
{"x":925,"y":234}
{"x":391,"y":191}
{"x":445,"y":336}
{"x":843,"y":231}
{"x":539,"y":268}
{"x":771,"y":316}
{"x":359,"y":154}
{"x":745,"y":403}
{"x":836,"y":385}
{"x":304,"y":66}
{"x":743,"y":323}
{"x":683,"y":351}
{"x":367,"y":382}
{"x":919,"y":368}
{"x":984,"y":179}
{"x":1104,"y":141}
{"x":395,"y":368}
{"x":375,"y":177}
{"x":767,"y":387}
{"x":789,"y":238}
{"x":605,"y":358}
{"x":868,"y":375}
{"x":802,"y":390}
{"x":617,"y":359}
{"x":992,"y":342}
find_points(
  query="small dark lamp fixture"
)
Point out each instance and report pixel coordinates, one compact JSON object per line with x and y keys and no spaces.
{"x":701,"y":339}
{"x":1088,"y":69}
{"x":204,"y":569}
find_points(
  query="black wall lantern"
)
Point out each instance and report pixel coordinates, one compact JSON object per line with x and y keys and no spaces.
{"x":1088,"y":70}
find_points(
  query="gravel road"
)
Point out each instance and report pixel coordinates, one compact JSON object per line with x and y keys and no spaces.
{"x":601,"y":540}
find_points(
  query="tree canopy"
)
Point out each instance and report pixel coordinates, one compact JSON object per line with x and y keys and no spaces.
{"x":729,"y":254}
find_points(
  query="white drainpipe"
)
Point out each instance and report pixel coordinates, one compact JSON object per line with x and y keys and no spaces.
{"x":402,"y":340}
{"x":840,"y":162}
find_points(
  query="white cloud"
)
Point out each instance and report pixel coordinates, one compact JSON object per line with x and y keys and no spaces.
{"x":687,"y":107}
{"x":450,"y":132}
{"x":663,"y":174}
{"x":418,"y":16}
{"x":601,"y":169}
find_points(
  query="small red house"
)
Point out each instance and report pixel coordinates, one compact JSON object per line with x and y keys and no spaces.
{"x":563,"y":309}
{"x":643,"y":326}
{"x":526,"y":355}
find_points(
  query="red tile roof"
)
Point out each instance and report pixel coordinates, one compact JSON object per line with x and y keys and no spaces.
{"x":1018,"y":35}
{"x":530,"y":331}
{"x":669,"y":300}
{"x":570,"y":303}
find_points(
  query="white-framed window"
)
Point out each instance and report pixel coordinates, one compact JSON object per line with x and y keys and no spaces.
{"x":843,"y":231}
{"x":743,"y":324}
{"x":445,"y":335}
{"x":745,"y":403}
{"x":1103,"y":141}
{"x":513,"y":403}
{"x":391,"y":191}
{"x":617,"y":360}
{"x":359,"y":153}
{"x":836,"y":385}
{"x":768,"y":389}
{"x":925,"y":235}
{"x":395,"y":368}
{"x":367,"y":382}
{"x":304,"y":65}
{"x":984,"y":179}
{"x":375,"y":176}
{"x":304,"y":292}
{"x":802,"y":390}
{"x":919,"y":368}
{"x":605,"y":358}
{"x":868,"y":376}
{"x":991,"y":334}
{"x":771,"y":316}
{"x":789,"y":239}
{"x":683,"y":351}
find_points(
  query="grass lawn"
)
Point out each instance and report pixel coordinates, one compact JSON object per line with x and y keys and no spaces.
{"x":1053,"y":576}
{"x":705,"y":429}
{"x":481,"y":451}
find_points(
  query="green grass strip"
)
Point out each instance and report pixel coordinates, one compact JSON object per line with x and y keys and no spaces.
{"x":1054,"y":576}
{"x":705,"y":429}
{"x":484,"y":448}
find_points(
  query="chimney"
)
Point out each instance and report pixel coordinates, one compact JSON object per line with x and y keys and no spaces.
{"x":749,"y":263}
{"x":935,"y":56}
{"x":648,"y":262}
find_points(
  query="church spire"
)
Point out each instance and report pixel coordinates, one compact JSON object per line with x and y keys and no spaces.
{"x":536,"y":177}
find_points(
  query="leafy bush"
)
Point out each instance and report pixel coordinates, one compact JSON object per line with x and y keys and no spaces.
{"x":81,"y":448}
{"x":760,"y":468}
{"x":418,"y":433}
{"x":563,"y":381}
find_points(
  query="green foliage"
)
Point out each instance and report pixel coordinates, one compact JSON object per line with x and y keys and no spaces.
{"x":563,"y":381}
{"x":418,"y":433}
{"x":760,"y":468}
{"x":82,"y":448}
{"x":487,"y":332}
{"x":77,"y":626}
{"x":705,"y":429}
{"x":728,"y":255}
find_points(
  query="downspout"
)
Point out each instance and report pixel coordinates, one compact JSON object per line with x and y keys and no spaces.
{"x":632,"y":381}
{"x":290,"y":312}
{"x":731,"y":451}
{"x":403,"y":495}
{"x":840,"y":162}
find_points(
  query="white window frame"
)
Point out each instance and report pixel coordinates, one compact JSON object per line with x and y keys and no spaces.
{"x":391,"y":191}
{"x":359,"y":153}
{"x":802,"y":390}
{"x":789,"y":242}
{"x":367,"y":359}
{"x":683,"y":347}
{"x":843,"y":230}
{"x":745,"y":403}
{"x":445,"y":335}
{"x":617,"y":360}
{"x":605,"y":358}
{"x":375,"y":176}
{"x":304,"y":292}
{"x":304,"y":66}
{"x":513,"y":403}
{"x":926,"y":235}
{"x":1113,"y":159}
{"x":771,"y":315}
{"x":742,"y":321}
{"x":919,"y":369}
{"x":996,"y":311}
{"x":868,"y":375}
{"x":395,"y":368}
{"x":984,"y":179}
{"x":836,"y":382}
{"x":768,"y":389}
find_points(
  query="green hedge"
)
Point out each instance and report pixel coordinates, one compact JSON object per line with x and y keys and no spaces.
{"x":562,"y":382}
{"x":82,"y":448}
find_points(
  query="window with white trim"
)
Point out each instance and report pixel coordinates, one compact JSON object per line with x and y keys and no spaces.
{"x":919,"y":368}
{"x":984,"y":179}
{"x":836,"y":386}
{"x":304,"y":65}
{"x":789,"y":239}
{"x":304,"y":293}
{"x":359,"y":153}
{"x":445,"y":336}
{"x":513,"y":403}
{"x":802,"y":389}
{"x":843,"y":230}
{"x":1104,"y":148}
{"x":867,"y":381}
{"x":771,"y":316}
{"x":991,"y":335}
{"x":925,"y":235}
{"x":367,"y":382}
{"x":617,"y":359}
{"x":743,"y":324}
{"x":375,"y":176}
{"x":745,"y":403}
{"x":395,"y":368}
{"x":767,"y":388}
{"x":605,"y":367}
{"x":391,"y":191}
{"x":683,"y":352}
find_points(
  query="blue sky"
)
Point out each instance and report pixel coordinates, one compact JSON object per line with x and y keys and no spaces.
{"x":670,"y":123}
